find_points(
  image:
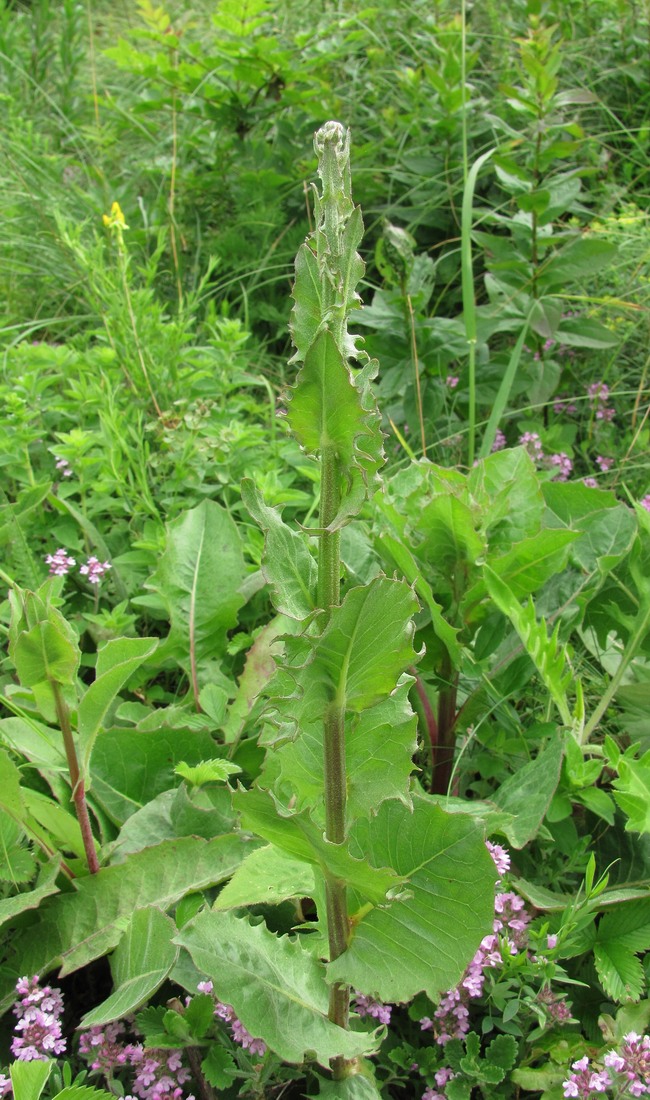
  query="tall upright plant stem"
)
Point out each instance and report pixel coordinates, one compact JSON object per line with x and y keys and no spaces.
{"x":329,"y":568}
{"x":77,"y":783}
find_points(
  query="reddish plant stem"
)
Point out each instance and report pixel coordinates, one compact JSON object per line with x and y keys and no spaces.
{"x":427,"y":710}
{"x":78,"y":787}
{"x":443,"y":763}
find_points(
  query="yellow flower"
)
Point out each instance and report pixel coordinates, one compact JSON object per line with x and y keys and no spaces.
{"x":115,"y":220}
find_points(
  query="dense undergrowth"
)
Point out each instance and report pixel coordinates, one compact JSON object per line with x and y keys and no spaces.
{"x":237,"y":537}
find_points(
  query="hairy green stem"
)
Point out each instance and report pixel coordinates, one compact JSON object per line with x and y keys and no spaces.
{"x":78,"y":787}
{"x":329,"y":568}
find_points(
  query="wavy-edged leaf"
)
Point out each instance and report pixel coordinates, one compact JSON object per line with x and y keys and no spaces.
{"x":379,"y":748}
{"x":258,"y":670}
{"x":276,"y":988}
{"x":407,"y":563}
{"x":425,"y":939}
{"x":299,"y":836}
{"x":140,"y":963}
{"x":330,"y":411}
{"x":288,"y":566}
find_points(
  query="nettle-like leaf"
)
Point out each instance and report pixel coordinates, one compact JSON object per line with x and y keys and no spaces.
{"x":276,"y":988}
{"x":621,"y":934}
{"x":546,"y":653}
{"x":424,"y":939}
{"x":632,"y":791}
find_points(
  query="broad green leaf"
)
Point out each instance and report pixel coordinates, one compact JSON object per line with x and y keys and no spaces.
{"x":409,"y":566}
{"x":207,"y":771}
{"x":619,"y":971}
{"x":621,"y":934}
{"x":423,"y":941}
{"x":527,"y":565}
{"x":73,"y":929}
{"x":527,"y":794}
{"x":367,"y":643}
{"x":299,"y":836}
{"x":578,"y":260}
{"x":329,"y":411}
{"x":357,"y":1087}
{"x":44,"y":655}
{"x":28,"y":1079}
{"x":31,"y":899}
{"x":11,"y":795}
{"x":117,"y":660}
{"x":585,"y":332}
{"x":276,"y":988}
{"x":379,"y":748}
{"x":607,"y":527}
{"x":451,"y":540}
{"x":173,"y":814}
{"x":288,"y":566}
{"x":58,"y":823}
{"x":632,"y":792}
{"x":130,"y":768}
{"x":507,"y":488}
{"x":308,"y":310}
{"x":198,"y":577}
{"x":17,"y":862}
{"x":267,"y":876}
{"x":140,"y":963}
{"x":546,"y":653}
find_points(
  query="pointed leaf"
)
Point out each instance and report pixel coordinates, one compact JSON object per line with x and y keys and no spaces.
{"x":619,"y":971}
{"x":288,"y":566}
{"x":266,"y":877}
{"x":140,"y":963}
{"x":75,"y":928}
{"x":527,"y":794}
{"x":28,"y":1079}
{"x":423,"y":941}
{"x":298,"y":836}
{"x":31,"y":899}
{"x":276,"y":988}
{"x":198,"y":576}
{"x":117,"y":660}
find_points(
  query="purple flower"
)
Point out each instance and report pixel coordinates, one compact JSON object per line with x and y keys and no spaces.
{"x":533,"y":444}
{"x":431,"y":1094}
{"x":564,"y":466}
{"x":582,"y":1082}
{"x":499,"y":441}
{"x":103,"y":1048}
{"x":160,"y":1074}
{"x":590,"y":482}
{"x":94,"y":569}
{"x":5,"y":1085}
{"x":598,"y":394}
{"x":63,"y":466}
{"x":367,"y":1006}
{"x":604,"y":463}
{"x":59,"y":562}
{"x":645,"y":502}
{"x":452,"y":381}
{"x":500,"y":856}
{"x":205,"y":987}
{"x":39,"y":1024}
{"x":240,"y":1034}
